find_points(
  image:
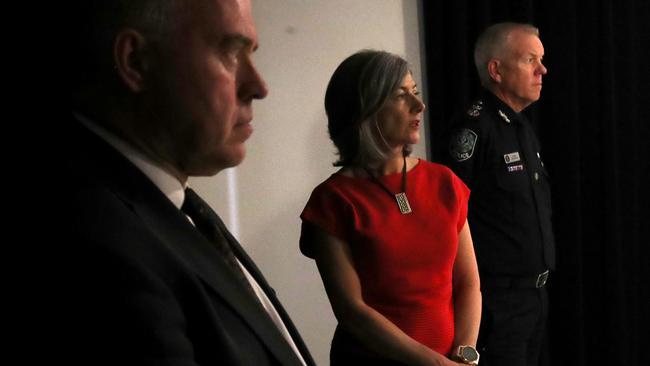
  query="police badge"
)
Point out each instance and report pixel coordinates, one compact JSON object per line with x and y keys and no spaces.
{"x":461,"y":146}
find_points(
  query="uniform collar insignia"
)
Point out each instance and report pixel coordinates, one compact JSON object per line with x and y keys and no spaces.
{"x":475,"y":109}
{"x":503,"y":115}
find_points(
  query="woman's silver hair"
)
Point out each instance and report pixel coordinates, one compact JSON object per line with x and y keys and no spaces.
{"x":356,"y":92}
{"x":370,"y":150}
{"x":494,"y":43}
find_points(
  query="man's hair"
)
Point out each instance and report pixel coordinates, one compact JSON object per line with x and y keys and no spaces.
{"x":95,"y":23}
{"x":493,"y":42}
{"x":359,"y":87}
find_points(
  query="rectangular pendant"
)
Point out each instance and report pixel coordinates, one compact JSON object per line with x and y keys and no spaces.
{"x":403,"y":203}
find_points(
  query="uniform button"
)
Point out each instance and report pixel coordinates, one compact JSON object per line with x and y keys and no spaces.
{"x":536,"y":176}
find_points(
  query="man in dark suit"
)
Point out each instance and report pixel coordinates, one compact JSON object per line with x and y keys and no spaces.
{"x":161,"y":91}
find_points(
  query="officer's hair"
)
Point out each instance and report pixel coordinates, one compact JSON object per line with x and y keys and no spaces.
{"x":358,"y":89}
{"x":94,"y":25}
{"x":492,"y":43}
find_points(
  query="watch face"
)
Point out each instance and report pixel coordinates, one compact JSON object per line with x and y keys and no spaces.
{"x":468,"y":354}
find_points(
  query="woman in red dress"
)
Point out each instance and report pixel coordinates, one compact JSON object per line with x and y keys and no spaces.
{"x":389,"y":231}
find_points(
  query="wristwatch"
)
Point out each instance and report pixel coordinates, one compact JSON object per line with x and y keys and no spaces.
{"x":468,"y":355}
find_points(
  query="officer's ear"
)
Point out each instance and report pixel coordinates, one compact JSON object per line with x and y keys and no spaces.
{"x":493,"y":70}
{"x":130,"y":59}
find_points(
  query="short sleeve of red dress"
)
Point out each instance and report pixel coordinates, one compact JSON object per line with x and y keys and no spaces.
{"x":328,"y":209}
{"x":462,"y":194}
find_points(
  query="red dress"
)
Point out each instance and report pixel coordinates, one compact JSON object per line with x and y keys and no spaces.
{"x":404,"y":262}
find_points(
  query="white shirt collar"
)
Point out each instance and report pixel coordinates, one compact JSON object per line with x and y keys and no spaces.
{"x":167,"y":183}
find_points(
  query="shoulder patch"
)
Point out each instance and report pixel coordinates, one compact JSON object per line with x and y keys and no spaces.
{"x":461,"y":145}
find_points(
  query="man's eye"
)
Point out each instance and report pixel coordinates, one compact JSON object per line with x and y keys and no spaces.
{"x":231,"y":56}
{"x":233,"y":52}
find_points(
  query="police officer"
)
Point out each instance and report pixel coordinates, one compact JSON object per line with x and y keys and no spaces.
{"x":494,"y":150}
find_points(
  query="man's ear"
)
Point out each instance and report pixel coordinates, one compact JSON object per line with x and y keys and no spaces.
{"x":130,"y":58}
{"x":493,"y":70}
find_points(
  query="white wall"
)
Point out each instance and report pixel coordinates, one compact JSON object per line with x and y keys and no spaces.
{"x":301,"y":43}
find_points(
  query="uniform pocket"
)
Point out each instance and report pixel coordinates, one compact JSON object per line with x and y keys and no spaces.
{"x":512,"y":178}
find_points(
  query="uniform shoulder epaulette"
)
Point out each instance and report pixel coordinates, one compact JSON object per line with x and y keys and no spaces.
{"x":475,"y":109}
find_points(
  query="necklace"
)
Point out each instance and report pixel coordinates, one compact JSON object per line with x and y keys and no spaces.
{"x":402,"y":200}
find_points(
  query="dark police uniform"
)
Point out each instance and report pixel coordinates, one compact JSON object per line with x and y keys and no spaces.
{"x":495,"y":152}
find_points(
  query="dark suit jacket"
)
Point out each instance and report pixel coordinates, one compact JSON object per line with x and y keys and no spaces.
{"x":150,"y":289}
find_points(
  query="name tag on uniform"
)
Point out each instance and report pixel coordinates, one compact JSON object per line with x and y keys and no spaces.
{"x":515,"y":168}
{"x":513,"y":157}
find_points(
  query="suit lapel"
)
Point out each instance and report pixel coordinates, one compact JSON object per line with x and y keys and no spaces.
{"x":243,"y":257}
{"x":173,"y":229}
{"x":201,"y":256}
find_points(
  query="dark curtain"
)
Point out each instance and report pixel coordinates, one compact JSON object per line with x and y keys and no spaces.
{"x":592,"y":121}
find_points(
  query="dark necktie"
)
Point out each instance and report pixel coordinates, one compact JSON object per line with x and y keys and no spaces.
{"x":211,"y":226}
